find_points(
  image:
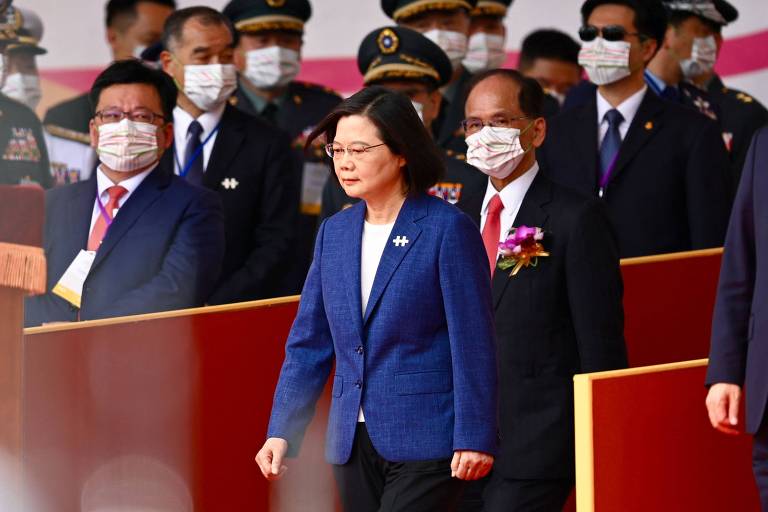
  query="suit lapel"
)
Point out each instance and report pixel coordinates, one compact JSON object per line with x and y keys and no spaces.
{"x":644,"y":126}
{"x":353,"y":234}
{"x":230,"y":137}
{"x":80,"y":214}
{"x":532,"y":214}
{"x":413,"y":209}
{"x":141,"y":199}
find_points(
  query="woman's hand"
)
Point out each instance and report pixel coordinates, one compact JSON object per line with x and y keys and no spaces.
{"x":270,"y":458}
{"x":467,"y":465}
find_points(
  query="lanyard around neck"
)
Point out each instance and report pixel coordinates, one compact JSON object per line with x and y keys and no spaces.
{"x":183,"y":171}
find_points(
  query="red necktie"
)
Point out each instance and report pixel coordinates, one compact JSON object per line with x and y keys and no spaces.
{"x":99,"y":230}
{"x":492,"y":230}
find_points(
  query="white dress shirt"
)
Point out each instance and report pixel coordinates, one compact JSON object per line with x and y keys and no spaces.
{"x":511,"y":198}
{"x":374,"y":241}
{"x":103,"y":183}
{"x":628,"y":109}
{"x":181,"y":121}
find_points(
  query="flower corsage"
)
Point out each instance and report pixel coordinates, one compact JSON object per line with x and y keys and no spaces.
{"x":522,"y":248}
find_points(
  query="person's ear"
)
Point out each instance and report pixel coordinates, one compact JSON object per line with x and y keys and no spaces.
{"x":539,"y":131}
{"x":93,"y":130}
{"x":649,"y":47}
{"x":168,"y":134}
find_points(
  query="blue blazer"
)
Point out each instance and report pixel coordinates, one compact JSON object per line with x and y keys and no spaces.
{"x":421,"y":361}
{"x":162,"y":252}
{"x":740,"y":324}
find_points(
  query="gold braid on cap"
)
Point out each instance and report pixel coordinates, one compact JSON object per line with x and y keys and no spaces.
{"x":489,"y":8}
{"x":270,"y":22}
{"x":399,"y":70}
{"x":420,"y":6}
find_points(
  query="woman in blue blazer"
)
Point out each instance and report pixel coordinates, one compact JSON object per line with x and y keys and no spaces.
{"x":398,"y":295}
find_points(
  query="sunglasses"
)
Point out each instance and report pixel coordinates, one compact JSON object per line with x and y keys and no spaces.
{"x":609,"y":32}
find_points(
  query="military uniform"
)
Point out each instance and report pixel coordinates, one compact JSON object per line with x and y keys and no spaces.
{"x":297,"y":111}
{"x":402,"y":55}
{"x":685,"y":94}
{"x":23,"y":157}
{"x":69,"y":143}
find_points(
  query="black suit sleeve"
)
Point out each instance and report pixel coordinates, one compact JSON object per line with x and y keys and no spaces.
{"x":595,"y":291}
{"x":708,"y":188}
{"x":730,"y":323}
{"x":273,"y":229}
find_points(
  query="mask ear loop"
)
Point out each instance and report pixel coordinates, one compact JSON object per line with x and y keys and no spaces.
{"x":526,"y":151}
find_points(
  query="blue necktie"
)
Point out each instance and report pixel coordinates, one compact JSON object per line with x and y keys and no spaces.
{"x":612,"y":141}
{"x":195,"y":171}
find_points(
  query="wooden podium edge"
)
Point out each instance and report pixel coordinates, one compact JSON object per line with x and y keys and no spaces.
{"x":266,"y":303}
{"x":583,"y":423}
{"x":701,"y":253}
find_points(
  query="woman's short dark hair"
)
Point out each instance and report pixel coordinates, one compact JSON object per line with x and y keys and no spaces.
{"x":650,"y":15}
{"x":131,"y":71}
{"x":530,"y":97}
{"x":400,"y":129}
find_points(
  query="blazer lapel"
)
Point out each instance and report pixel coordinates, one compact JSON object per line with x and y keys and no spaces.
{"x":353,"y":235}
{"x":80,"y":214}
{"x":404,"y":228}
{"x":644,"y":126}
{"x":141,"y":199}
{"x":231,"y":135}
{"x":531,"y":214}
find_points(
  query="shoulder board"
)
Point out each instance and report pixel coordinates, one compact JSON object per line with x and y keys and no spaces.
{"x":316,"y":87}
{"x":66,"y":133}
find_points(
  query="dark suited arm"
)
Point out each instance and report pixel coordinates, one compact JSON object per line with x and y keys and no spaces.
{"x":708,"y":188}
{"x":190,"y":267}
{"x":273,"y":229}
{"x":595,"y":289}
{"x":307,"y":364}
{"x":466,"y":286}
{"x":730,"y":323}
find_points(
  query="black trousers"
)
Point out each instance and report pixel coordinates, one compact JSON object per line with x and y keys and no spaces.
{"x":498,"y":494}
{"x":369,"y":483}
{"x":760,"y":462}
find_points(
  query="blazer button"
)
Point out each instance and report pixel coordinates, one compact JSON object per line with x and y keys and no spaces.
{"x":358,"y":384}
{"x":359,"y":350}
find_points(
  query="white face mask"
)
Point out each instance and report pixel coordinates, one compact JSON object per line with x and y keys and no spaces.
{"x":605,"y":62}
{"x":419,"y":109}
{"x":485,"y":51}
{"x":703,"y":57}
{"x":24,"y":89}
{"x":454,"y":44}
{"x":209,"y":85}
{"x":496,"y":151}
{"x":273,"y":66}
{"x":127,"y":146}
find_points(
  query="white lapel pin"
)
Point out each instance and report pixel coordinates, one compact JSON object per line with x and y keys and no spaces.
{"x":400,"y":241}
{"x":230,"y":183}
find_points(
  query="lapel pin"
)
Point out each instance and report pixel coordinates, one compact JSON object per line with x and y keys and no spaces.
{"x":230,"y":183}
{"x":400,"y":241}
{"x":649,"y":125}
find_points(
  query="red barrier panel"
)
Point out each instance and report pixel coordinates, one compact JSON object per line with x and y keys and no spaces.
{"x":162,"y":412}
{"x":668,"y":304}
{"x":644,"y":443}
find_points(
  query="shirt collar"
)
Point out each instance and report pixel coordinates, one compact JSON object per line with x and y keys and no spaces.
{"x":628,"y":107}
{"x":513,"y":194}
{"x":208,"y":120}
{"x":131,"y":184}
{"x":259,"y":102}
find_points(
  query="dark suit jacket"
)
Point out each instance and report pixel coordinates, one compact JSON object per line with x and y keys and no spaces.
{"x":162,"y":252}
{"x":670,"y":190}
{"x":740,"y":324}
{"x":562,"y":317}
{"x":260,"y":210}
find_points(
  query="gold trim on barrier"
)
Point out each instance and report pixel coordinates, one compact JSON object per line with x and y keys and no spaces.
{"x":583,"y":423}
{"x":671,"y":256}
{"x":266,"y":303}
{"x":428,"y":5}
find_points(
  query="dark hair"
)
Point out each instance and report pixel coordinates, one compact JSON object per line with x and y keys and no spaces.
{"x":206,"y":16}
{"x":399,"y":128}
{"x":131,"y":71}
{"x":548,"y":44}
{"x":676,"y":18}
{"x":530,"y":97}
{"x":650,"y":15}
{"x":127,"y":8}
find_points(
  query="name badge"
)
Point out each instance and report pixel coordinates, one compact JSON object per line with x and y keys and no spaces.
{"x":70,"y":286}
{"x":315,"y":176}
